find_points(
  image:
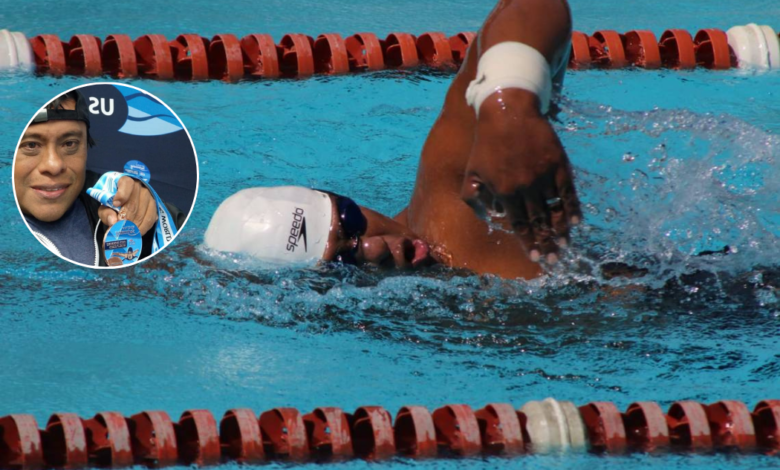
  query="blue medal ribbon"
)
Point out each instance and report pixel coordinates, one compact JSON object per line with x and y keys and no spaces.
{"x":105,"y":190}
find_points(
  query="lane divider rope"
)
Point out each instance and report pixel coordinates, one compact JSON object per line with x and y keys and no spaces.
{"x":151,"y":438}
{"x":257,"y":56}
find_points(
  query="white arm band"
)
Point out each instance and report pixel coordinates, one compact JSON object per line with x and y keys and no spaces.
{"x":511,"y":65}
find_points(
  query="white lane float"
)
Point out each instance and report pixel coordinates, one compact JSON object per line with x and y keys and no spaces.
{"x":15,"y":51}
{"x":755,"y":46}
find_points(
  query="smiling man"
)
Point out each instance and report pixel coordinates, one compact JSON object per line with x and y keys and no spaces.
{"x":50,"y":181}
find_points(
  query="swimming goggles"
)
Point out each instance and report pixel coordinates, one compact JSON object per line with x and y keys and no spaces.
{"x":353,"y":225}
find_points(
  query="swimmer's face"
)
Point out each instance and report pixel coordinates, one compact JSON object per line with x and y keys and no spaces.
{"x":384,"y":242}
{"x":50,"y":167}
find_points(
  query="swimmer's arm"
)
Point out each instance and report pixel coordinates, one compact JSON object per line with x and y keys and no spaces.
{"x":544,"y":25}
{"x":403,"y":216}
{"x":517,"y":162}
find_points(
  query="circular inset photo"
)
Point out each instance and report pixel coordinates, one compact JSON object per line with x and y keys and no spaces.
{"x":105,"y":175}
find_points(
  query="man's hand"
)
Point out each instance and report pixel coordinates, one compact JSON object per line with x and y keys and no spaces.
{"x":137,"y":202}
{"x":519,"y":169}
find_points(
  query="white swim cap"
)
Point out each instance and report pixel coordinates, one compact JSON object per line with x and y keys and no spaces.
{"x":284,"y":224}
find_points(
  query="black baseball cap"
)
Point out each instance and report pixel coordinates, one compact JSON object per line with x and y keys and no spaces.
{"x":53,"y":111}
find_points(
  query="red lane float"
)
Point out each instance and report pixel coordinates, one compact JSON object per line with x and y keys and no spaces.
{"x":118,"y":56}
{"x":434,"y":50}
{"x":49,"y":54}
{"x":83,"y":56}
{"x":225,"y":59}
{"x":330,"y":55}
{"x":580,"y":57}
{"x":261,"y":56}
{"x":459,"y":45}
{"x":731,"y":426}
{"x":689,"y":427}
{"x":400,"y":51}
{"x":154,"y":57}
{"x":500,"y":431}
{"x":372,"y":433}
{"x":415,"y":433}
{"x":766,"y":418}
{"x":712,"y":49}
{"x":327,"y":430}
{"x":198,"y":439}
{"x":239,"y":437}
{"x":642,"y":50}
{"x":646,"y":428}
{"x":365,"y":52}
{"x":284,"y":434}
{"x":677,"y":50}
{"x":20,"y":443}
{"x":297,"y":59}
{"x":190,"y":60}
{"x":606,"y":49}
{"x":65,"y":442}
{"x":604,"y":424}
{"x":108,"y":440}
{"x":457,"y":430}
{"x":154,"y":439}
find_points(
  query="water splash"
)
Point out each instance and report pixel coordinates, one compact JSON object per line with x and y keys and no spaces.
{"x":694,"y":184}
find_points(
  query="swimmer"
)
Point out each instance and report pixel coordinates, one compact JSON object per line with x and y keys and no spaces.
{"x":494,"y":191}
{"x":130,"y":255}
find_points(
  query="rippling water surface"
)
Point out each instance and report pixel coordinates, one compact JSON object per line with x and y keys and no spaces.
{"x":670,"y":292}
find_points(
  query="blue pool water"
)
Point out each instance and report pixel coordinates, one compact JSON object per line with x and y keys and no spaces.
{"x":669,"y":164}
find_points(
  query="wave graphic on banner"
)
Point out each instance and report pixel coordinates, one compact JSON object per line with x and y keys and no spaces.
{"x":147,"y":116}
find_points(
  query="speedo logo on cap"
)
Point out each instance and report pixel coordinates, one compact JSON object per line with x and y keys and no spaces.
{"x":297,"y":231}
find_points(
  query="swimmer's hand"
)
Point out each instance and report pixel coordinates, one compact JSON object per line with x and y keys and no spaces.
{"x":518,"y":168}
{"x":137,"y":202}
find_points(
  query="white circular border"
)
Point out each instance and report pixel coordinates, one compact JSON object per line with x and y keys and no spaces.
{"x":179,"y":229}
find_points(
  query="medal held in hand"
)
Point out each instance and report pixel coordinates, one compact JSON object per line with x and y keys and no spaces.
{"x":122,"y":243}
{"x":104,"y":191}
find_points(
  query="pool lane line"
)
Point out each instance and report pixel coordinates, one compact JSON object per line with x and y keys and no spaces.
{"x":326,"y":434}
{"x":191,"y":57}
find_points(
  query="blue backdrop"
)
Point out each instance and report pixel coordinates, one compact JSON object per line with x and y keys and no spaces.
{"x":128,"y":124}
